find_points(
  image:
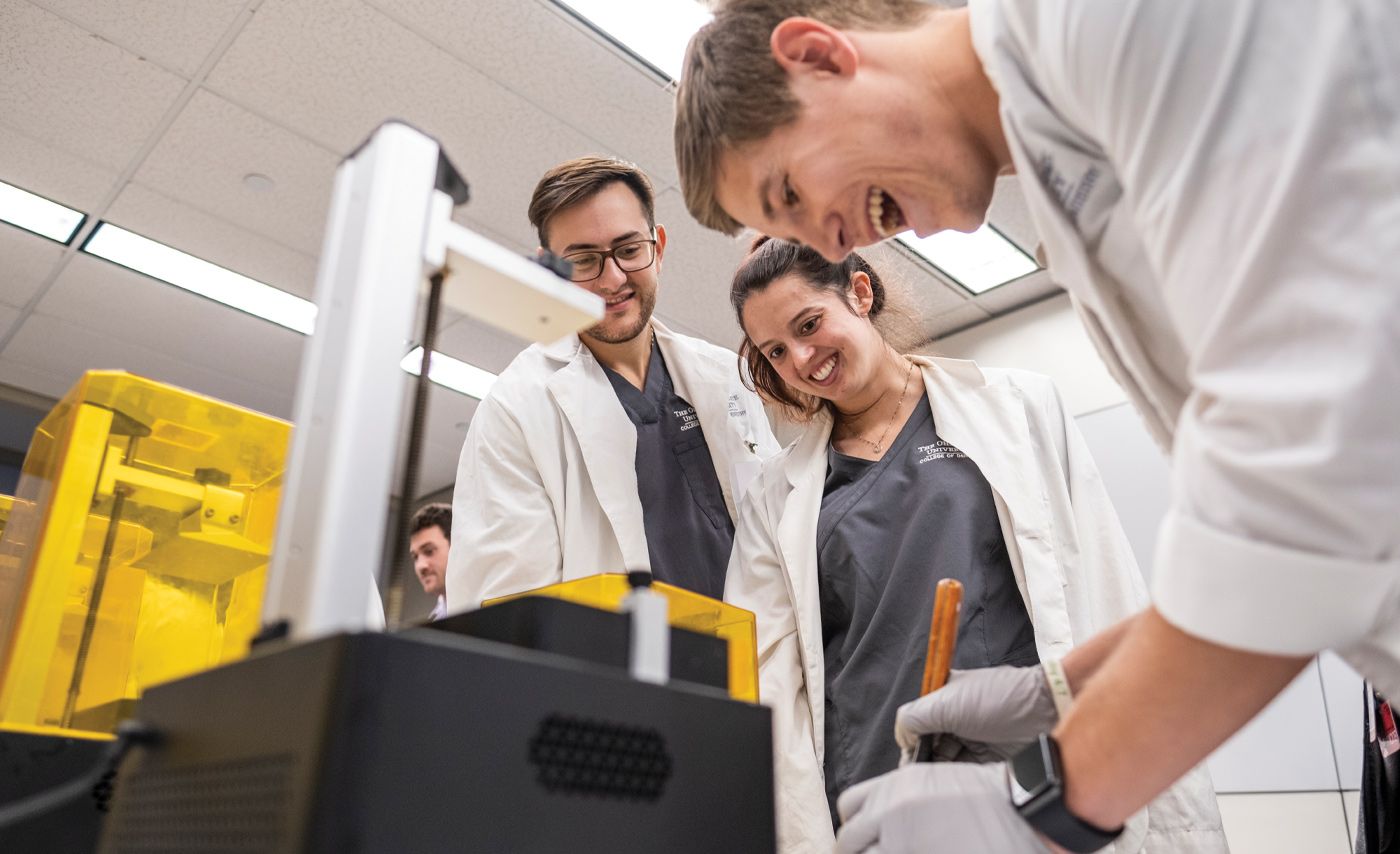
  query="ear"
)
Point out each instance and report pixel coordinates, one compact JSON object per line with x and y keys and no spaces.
{"x":808,"y":46}
{"x":660,"y":245}
{"x":862,"y":296}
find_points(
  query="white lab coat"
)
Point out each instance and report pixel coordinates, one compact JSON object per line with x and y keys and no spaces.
{"x":1218,"y":186}
{"x":547,"y":483}
{"x":1071,"y":559}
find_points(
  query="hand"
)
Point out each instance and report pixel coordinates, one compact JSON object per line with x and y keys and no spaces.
{"x":947,"y":806}
{"x":980,"y":715}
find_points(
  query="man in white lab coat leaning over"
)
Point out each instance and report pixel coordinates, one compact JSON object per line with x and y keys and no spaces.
{"x":611,"y":450}
{"x":1218,"y":186}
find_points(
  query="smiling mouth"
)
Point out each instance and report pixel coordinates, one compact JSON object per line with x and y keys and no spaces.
{"x":617,"y":300}
{"x":884,"y":213}
{"x":823,"y":373}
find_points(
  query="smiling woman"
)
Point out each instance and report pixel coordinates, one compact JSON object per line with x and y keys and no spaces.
{"x":807,"y":287}
{"x":910,"y":470}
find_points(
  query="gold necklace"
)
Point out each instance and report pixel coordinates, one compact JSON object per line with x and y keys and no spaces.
{"x":879,"y":446}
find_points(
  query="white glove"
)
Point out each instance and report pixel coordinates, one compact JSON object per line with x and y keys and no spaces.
{"x":944,"y":806}
{"x":980,"y":715}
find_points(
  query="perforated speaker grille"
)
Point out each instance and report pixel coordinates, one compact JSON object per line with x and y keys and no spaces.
{"x":237,"y":807}
{"x":600,"y":759}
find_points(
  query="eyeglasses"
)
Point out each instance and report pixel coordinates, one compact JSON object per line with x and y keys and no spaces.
{"x":629,"y":258}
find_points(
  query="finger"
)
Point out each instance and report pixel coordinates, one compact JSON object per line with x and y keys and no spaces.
{"x":851,"y":800}
{"x":928,"y":714}
{"x":858,"y":834}
{"x":906,"y":755}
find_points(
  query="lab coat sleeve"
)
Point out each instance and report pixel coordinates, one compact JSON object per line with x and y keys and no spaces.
{"x":505,"y":537}
{"x":1264,"y":184}
{"x":756,"y":582}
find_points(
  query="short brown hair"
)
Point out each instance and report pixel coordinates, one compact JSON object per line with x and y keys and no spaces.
{"x":733,"y":90}
{"x":578,"y":180}
{"x":432,"y":514}
{"x":769,"y":260}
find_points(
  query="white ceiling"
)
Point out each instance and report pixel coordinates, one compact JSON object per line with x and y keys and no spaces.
{"x":149,"y":113}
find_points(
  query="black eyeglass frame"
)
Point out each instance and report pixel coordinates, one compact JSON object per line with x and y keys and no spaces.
{"x":605,"y":254}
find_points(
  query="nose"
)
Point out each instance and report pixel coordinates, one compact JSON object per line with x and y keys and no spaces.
{"x":803,"y":355}
{"x":612,"y":276}
{"x":833,"y":239}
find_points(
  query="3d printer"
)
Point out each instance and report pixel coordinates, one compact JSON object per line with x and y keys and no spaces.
{"x":329,"y":737}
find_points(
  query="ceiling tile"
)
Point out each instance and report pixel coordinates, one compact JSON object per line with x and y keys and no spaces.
{"x":203,"y":158}
{"x":31,"y":379}
{"x":177,"y":36}
{"x":1018,"y":293}
{"x":53,"y":173}
{"x":8,"y":316}
{"x":1010,"y":215}
{"x":555,"y":62}
{"x":476,"y":343}
{"x":129,"y":308}
{"x":952,"y":321}
{"x":76,"y":92}
{"x":176,"y":224}
{"x":62,"y":351}
{"x":335,"y":69}
{"x":26,"y":261}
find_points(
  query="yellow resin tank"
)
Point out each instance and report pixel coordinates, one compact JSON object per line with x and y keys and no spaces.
{"x":136,"y":549}
{"x":687,"y":611}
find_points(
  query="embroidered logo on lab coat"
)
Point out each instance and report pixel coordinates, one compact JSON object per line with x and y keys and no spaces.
{"x":939,"y":450}
{"x":1070,"y":196}
{"x":687,"y":417}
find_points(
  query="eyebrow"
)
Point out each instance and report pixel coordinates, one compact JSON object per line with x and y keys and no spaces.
{"x":764,"y":189}
{"x":623,"y":238}
{"x":796,"y":321}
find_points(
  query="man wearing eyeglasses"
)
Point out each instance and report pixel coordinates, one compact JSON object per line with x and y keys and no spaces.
{"x":623,"y":447}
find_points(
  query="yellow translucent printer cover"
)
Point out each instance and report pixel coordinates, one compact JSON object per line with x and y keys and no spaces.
{"x":6,"y":502}
{"x":687,"y":611}
{"x":136,"y":549}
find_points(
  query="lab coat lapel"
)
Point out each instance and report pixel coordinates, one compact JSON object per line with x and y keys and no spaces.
{"x":607,"y":441}
{"x":988,"y":423}
{"x":805,"y":471}
{"x":702,"y":381}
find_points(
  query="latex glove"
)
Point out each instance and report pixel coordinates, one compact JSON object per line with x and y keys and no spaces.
{"x":980,"y":715}
{"x":944,"y":806}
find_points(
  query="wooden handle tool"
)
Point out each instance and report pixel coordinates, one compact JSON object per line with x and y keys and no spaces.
{"x":942,"y":639}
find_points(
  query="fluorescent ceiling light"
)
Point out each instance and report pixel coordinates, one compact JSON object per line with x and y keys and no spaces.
{"x":452,"y":373}
{"x":655,"y":30}
{"x":978,"y":261}
{"x":201,"y":277}
{"x":38,"y":214}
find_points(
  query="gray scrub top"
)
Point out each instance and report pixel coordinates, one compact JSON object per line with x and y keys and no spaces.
{"x":689,"y":532}
{"x":888,"y":531}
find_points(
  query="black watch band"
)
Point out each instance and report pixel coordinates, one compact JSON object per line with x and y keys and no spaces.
{"x":1036,"y":781}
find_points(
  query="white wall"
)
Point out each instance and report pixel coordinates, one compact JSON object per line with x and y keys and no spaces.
{"x":1287,"y":781}
{"x":1044,"y":337}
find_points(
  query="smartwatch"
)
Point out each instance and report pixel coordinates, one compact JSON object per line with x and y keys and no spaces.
{"x":1036,"y":782}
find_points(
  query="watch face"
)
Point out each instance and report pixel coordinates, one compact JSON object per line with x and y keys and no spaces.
{"x":1028,"y":774}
